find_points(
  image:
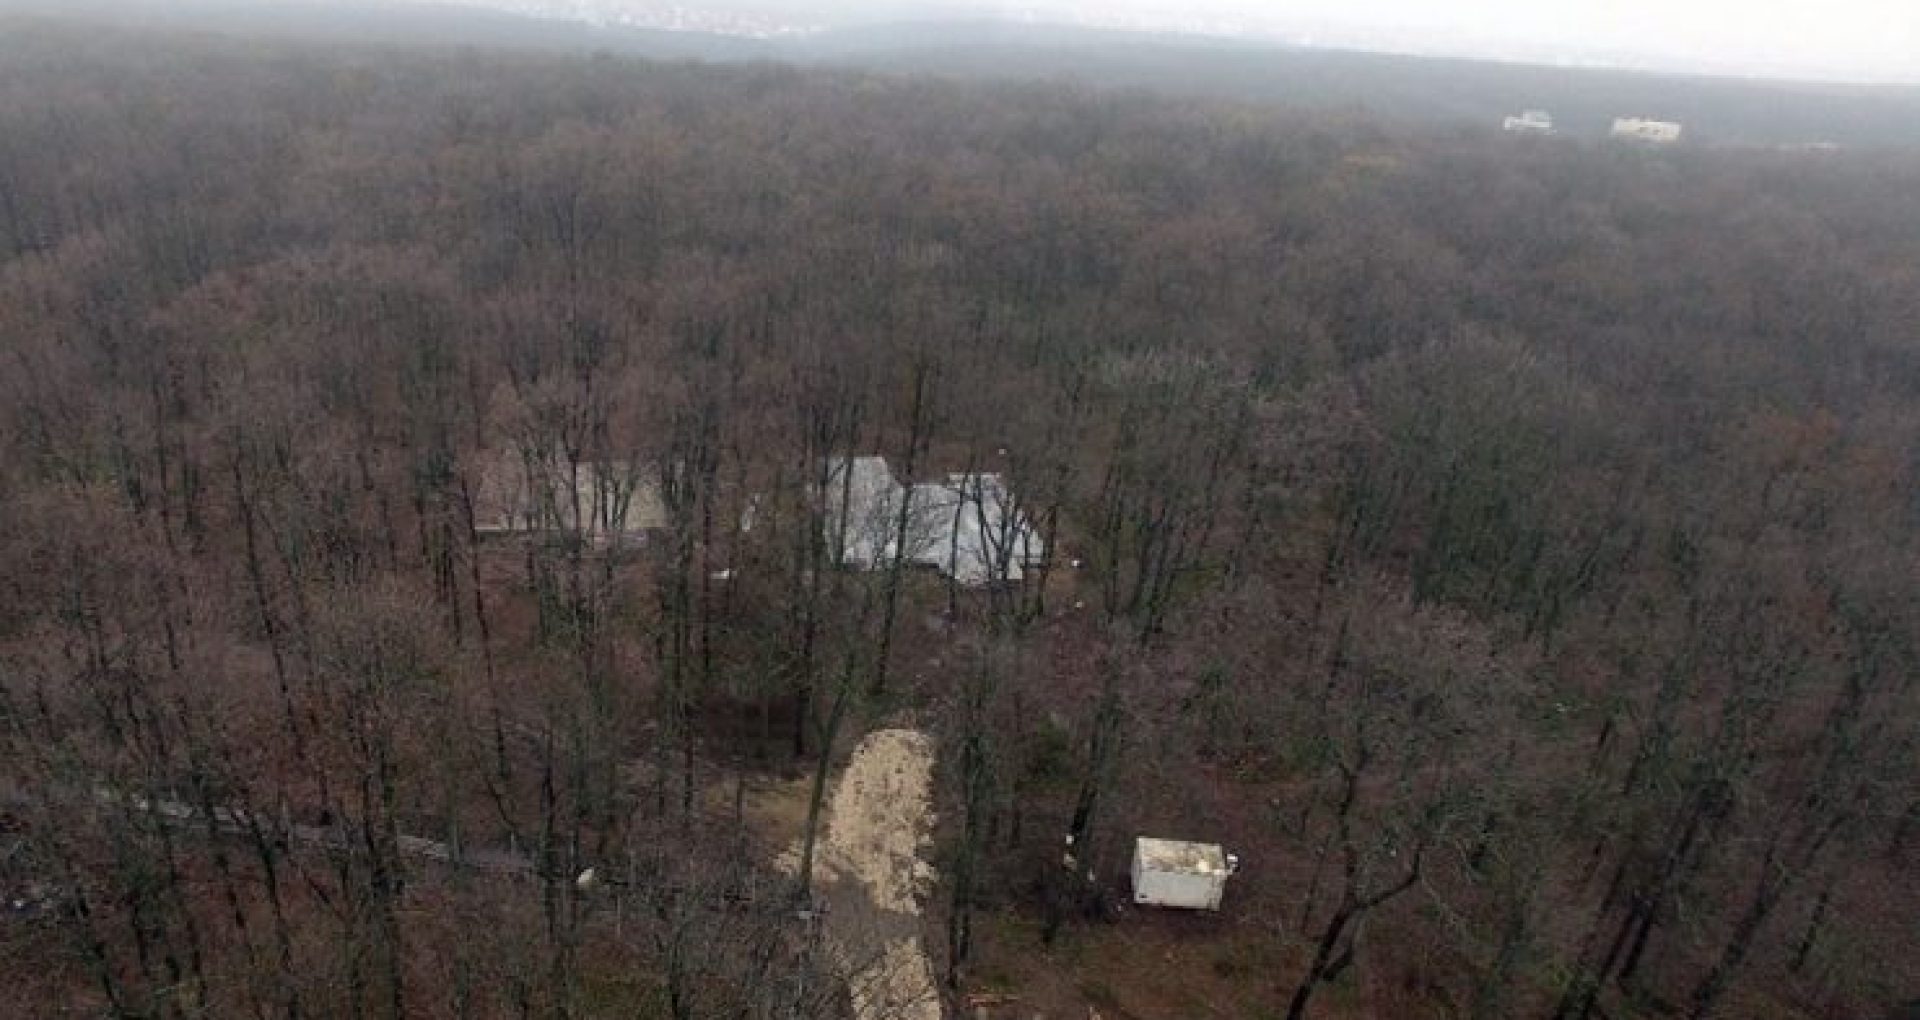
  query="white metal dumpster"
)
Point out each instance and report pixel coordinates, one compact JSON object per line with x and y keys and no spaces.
{"x":1175,"y":873}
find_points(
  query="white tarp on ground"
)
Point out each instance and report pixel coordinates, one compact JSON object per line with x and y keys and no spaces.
{"x":968,"y":526}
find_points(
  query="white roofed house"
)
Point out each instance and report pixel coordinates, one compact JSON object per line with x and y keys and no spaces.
{"x":603,"y":503}
{"x":859,"y":511}
{"x":976,"y":532}
{"x":967,"y":526}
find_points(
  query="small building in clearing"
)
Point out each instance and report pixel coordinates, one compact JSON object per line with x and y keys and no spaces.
{"x":1635,"y":129}
{"x":1175,"y":873}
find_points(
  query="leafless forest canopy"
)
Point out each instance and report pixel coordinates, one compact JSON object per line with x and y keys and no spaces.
{"x":1507,"y":548}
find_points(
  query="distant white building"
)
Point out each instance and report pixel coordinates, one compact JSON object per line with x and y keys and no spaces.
{"x":602,"y":502}
{"x":1175,"y":873}
{"x":1530,"y":122}
{"x":967,"y":526}
{"x":1634,"y":129}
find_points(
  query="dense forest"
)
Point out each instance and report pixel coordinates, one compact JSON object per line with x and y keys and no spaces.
{"x":1505,"y":546}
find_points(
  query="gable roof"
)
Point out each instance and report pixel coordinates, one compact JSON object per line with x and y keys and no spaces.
{"x":967,"y":526}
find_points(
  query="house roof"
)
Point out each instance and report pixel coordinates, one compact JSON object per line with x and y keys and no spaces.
{"x":861,"y":506}
{"x":974,"y":529}
{"x":967,"y":526}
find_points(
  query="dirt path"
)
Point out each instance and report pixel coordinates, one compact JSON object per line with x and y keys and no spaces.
{"x":871,"y":874}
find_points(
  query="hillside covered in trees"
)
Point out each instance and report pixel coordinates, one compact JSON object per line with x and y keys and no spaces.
{"x":1506,"y":546}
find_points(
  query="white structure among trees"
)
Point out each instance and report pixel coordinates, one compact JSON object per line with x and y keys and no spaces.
{"x":1531,"y":122}
{"x":860,"y":512}
{"x":967,"y":526}
{"x":1175,"y":873}
{"x":1634,"y":129}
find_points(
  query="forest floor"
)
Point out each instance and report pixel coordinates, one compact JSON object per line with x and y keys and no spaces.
{"x":872,"y":879}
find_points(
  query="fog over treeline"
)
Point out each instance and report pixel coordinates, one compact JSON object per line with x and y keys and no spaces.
{"x":958,"y":42}
{"x":1834,"y":40}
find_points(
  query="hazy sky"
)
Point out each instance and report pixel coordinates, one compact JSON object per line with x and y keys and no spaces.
{"x":1867,"y":39}
{"x":1851,"y":40}
{"x":1870,"y":40}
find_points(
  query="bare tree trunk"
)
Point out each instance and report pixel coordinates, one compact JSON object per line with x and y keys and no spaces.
{"x":918,"y":425}
{"x":1328,"y":959}
{"x":975,"y":789}
{"x":816,"y":797}
{"x":1803,"y":949}
{"x":1103,"y":746}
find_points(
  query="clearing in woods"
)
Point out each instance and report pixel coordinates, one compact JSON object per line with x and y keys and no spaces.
{"x":871,"y":877}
